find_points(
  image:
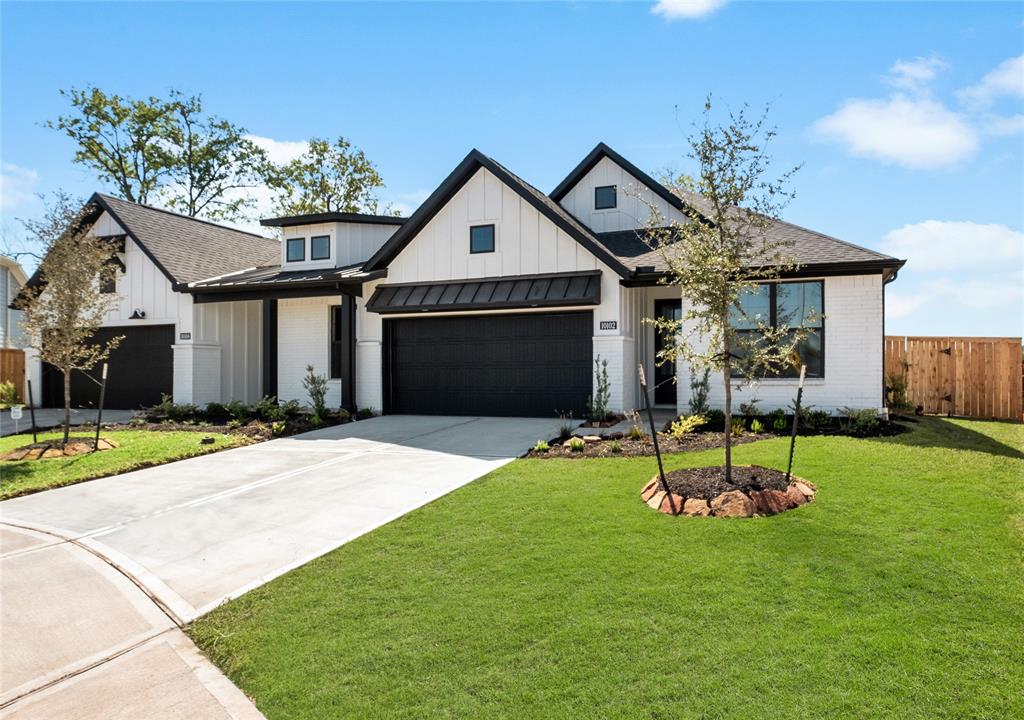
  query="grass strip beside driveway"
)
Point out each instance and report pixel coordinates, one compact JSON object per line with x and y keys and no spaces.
{"x":137,"y":449}
{"x":548,"y":590}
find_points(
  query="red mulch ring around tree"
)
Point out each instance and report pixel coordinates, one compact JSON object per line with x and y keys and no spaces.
{"x":703,"y":492}
{"x":58,"y":448}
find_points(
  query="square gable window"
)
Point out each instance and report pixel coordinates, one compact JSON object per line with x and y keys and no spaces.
{"x":320,"y":247}
{"x":604,"y":197}
{"x":481,"y":239}
{"x":296,"y":249}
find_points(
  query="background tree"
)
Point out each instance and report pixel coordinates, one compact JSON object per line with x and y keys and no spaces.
{"x":121,"y":139}
{"x":211,"y":162}
{"x":328,"y":177}
{"x":723,"y":252}
{"x":61,"y":315}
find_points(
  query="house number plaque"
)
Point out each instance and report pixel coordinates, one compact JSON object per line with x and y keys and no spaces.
{"x":609,"y":324}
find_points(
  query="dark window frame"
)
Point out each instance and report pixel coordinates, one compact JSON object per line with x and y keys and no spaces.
{"x":615,"y":197}
{"x":312,"y":252}
{"x":792,"y":374}
{"x":288,"y":248}
{"x":335,"y":342}
{"x":494,"y":238}
{"x":108,"y":279}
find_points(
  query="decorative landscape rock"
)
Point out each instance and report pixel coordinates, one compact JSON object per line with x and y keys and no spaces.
{"x":754,"y":499}
{"x":49,"y":449}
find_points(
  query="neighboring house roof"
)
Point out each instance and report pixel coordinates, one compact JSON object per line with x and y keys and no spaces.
{"x":329,"y":217}
{"x":459,"y":177}
{"x":272,"y":279}
{"x":15,"y":269}
{"x":187,"y":249}
{"x":810,"y":249}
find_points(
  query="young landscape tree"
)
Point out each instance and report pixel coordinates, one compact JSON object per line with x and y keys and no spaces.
{"x":62,"y":313}
{"x":722,"y":253}
{"x":328,"y":177}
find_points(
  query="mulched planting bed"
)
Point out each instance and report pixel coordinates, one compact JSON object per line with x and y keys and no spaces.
{"x":703,"y":492}
{"x":709,"y":482}
{"x":58,"y":448}
{"x":645,"y":447}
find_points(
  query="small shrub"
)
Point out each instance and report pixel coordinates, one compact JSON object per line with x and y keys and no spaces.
{"x":541,"y":446}
{"x":779,"y":425}
{"x":566,"y":426}
{"x":750,"y":409}
{"x":715,"y":420}
{"x":896,"y":387}
{"x":277,"y":427}
{"x":136,"y":421}
{"x":772,"y":418}
{"x":9,"y":394}
{"x":818,"y":420}
{"x":234,"y":423}
{"x":344,"y":416}
{"x":756,"y":427}
{"x":238,"y":410}
{"x":859,"y":423}
{"x":268,"y":409}
{"x":216,"y":411}
{"x":636,"y":430}
{"x":686,"y":425}
{"x":597,"y":405}
{"x":315,"y":420}
{"x":699,"y":390}
{"x":577,"y":444}
{"x":316,"y":387}
{"x":364,"y":414}
{"x":738,"y":428}
{"x":615,"y":446}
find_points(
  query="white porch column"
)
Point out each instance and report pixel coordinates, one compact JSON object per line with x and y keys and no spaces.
{"x":196,"y":373}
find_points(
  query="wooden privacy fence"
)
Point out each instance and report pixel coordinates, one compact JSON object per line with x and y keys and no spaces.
{"x":12,"y":368}
{"x":966,"y":376}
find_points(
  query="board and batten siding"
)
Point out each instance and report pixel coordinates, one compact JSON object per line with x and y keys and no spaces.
{"x":351,"y":243}
{"x":525,"y":243}
{"x":217,"y":345}
{"x":633,"y":200}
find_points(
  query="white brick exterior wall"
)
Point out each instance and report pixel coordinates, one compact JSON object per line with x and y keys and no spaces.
{"x":853,"y":356}
{"x":303,"y":338}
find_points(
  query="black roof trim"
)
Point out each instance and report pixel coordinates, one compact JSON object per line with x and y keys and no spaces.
{"x":342,"y":217}
{"x":885,"y":267}
{"x":489,"y":293}
{"x":459,"y":177}
{"x":601,"y":150}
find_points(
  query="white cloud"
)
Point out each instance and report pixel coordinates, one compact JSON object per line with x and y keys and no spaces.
{"x":406,"y":203}
{"x":936,"y":245}
{"x":1000,"y":291}
{"x":1005,"y":126}
{"x":17,"y":186}
{"x":1007,"y":79}
{"x":280,"y":151}
{"x":913,"y":132}
{"x":686,"y":9}
{"x":915,"y":74}
{"x":899,"y":304}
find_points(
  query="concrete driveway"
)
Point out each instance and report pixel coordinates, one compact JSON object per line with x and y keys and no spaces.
{"x":145,"y":552}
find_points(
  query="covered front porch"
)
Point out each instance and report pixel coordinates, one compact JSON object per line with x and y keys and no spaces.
{"x":307,"y":320}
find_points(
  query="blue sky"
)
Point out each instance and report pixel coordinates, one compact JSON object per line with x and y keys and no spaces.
{"x":908,"y":117}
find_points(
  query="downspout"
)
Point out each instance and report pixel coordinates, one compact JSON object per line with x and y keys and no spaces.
{"x":885,"y":389}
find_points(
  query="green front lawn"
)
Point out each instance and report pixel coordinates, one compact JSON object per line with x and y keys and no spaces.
{"x":137,"y":449}
{"x":547,"y":589}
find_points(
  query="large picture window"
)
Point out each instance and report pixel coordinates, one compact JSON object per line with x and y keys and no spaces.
{"x":787,"y":305}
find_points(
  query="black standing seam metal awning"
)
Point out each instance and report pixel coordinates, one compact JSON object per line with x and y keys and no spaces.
{"x":520,"y":291}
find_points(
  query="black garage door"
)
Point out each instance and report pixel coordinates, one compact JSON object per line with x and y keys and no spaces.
{"x":531,"y":365}
{"x":140,"y":370}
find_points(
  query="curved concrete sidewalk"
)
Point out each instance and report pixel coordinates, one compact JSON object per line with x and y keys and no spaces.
{"x":81,"y":640}
{"x":97,"y":577}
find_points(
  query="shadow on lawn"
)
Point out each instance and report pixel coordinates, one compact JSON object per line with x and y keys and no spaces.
{"x":943,"y":433}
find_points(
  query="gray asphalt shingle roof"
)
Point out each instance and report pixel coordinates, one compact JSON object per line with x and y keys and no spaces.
{"x":189,"y":249}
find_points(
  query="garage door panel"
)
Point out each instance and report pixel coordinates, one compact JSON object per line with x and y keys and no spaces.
{"x":526,"y":364}
{"x":141,"y":369}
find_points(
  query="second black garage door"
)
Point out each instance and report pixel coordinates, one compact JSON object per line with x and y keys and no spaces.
{"x":140,"y":370}
{"x":528,"y":365}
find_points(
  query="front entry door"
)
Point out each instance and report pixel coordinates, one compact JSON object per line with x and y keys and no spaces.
{"x":664,"y":387}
